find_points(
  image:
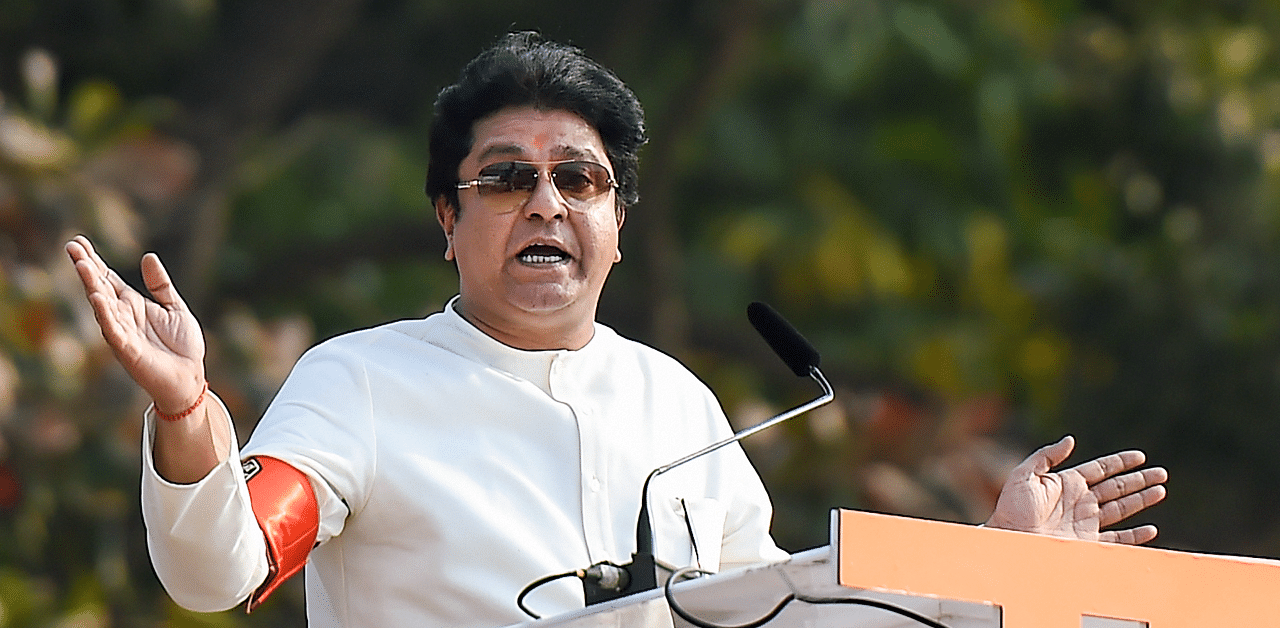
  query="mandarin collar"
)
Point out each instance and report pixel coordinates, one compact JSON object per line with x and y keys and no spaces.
{"x":470,"y":342}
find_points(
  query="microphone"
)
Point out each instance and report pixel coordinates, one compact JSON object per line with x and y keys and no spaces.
{"x":785,"y":341}
{"x":803,"y":360}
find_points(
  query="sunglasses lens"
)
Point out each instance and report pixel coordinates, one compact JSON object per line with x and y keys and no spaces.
{"x":576,"y":180}
{"x":507,"y":176}
{"x":581,"y":180}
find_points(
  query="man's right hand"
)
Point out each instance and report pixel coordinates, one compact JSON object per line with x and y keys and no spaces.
{"x":160,"y":344}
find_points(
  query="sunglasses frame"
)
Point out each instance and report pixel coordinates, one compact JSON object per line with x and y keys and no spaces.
{"x":610,"y":183}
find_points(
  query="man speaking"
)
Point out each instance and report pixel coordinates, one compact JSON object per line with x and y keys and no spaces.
{"x":425,"y":471}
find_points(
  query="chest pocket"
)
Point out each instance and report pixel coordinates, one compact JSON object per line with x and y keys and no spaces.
{"x":688,"y":531}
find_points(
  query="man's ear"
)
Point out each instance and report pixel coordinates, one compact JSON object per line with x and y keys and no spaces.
{"x":621,"y":214}
{"x":446,"y":215}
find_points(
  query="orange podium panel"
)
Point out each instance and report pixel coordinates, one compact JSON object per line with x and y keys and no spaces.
{"x":1047,"y":582}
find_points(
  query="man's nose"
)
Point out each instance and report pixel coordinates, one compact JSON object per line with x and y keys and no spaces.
{"x":545,"y":200}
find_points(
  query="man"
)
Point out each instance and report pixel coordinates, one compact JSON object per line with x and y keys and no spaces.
{"x":427,"y":470}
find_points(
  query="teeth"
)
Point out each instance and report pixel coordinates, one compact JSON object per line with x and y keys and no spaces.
{"x":541,"y":259}
{"x":543,"y":254}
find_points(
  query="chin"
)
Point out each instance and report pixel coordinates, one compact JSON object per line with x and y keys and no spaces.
{"x":544,"y":300}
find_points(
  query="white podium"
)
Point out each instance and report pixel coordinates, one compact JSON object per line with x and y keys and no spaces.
{"x":963,"y":576}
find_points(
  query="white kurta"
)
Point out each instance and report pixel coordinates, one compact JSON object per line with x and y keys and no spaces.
{"x":453,"y":470}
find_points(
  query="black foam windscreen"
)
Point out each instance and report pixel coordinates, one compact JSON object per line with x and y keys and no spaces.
{"x":785,"y":341}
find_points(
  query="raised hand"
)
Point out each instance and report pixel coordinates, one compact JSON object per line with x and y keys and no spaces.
{"x":1078,"y":502}
{"x":158,"y":341}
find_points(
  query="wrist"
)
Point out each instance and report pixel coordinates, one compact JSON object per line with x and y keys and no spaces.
{"x":184,"y":411}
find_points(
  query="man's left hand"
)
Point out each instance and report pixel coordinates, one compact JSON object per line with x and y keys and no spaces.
{"x":1080,"y":501}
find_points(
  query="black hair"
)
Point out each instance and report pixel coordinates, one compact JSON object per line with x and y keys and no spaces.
{"x":524,"y":69}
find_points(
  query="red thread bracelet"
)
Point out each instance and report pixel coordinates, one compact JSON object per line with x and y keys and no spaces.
{"x":185,"y":413}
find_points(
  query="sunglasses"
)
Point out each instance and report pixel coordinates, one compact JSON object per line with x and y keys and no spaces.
{"x":577,"y":181}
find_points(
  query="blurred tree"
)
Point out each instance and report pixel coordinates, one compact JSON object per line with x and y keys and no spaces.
{"x":998,"y":219}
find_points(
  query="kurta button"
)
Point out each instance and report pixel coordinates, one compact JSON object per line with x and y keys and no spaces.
{"x":594,"y":484}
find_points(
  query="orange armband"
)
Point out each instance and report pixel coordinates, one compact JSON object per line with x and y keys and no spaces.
{"x":284,"y":503}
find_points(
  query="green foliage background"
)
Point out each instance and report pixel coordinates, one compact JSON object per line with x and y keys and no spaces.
{"x":999,"y":220}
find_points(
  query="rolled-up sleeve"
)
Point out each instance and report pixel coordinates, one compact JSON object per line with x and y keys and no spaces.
{"x":205,"y":543}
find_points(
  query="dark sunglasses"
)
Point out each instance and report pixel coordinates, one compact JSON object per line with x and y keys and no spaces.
{"x":577,"y":181}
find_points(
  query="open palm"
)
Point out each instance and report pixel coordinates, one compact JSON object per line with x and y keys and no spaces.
{"x":1080,"y":501}
{"x":159,"y":342}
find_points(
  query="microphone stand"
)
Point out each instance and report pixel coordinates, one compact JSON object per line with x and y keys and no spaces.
{"x":641,"y":573}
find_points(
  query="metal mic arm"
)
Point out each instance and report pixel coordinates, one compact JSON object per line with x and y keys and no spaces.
{"x":827,"y":396}
{"x":802,"y":359}
{"x":644,"y":527}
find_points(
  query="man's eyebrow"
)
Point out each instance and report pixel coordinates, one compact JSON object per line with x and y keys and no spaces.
{"x":573,"y":152}
{"x":563,"y":151}
{"x":505,"y":150}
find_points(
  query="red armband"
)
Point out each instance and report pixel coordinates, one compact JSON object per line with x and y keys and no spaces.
{"x":285,"y":506}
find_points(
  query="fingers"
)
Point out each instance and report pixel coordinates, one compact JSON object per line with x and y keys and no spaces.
{"x":1129,"y":483}
{"x":1121,"y":495}
{"x":1120,"y":509}
{"x":1099,"y":469}
{"x":118,"y":309}
{"x":80,"y":249}
{"x":87,"y":265}
{"x":98,"y":277}
{"x":95,"y":277}
{"x":94,"y":273}
{"x":1133,"y":536}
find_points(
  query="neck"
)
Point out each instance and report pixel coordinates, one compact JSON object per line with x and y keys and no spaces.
{"x":532,"y":331}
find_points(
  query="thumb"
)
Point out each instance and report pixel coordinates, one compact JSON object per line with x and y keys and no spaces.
{"x":158,"y":283}
{"x":1048,"y":457}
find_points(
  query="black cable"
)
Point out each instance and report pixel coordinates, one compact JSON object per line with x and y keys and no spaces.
{"x":693,"y":538}
{"x":595,"y":572}
{"x":685,"y":615}
{"x":790,"y":597}
{"x":539,"y":582}
{"x":885,"y":606}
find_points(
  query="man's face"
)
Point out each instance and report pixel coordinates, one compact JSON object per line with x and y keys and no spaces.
{"x":532,"y":265}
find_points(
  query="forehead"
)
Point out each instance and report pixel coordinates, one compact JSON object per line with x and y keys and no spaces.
{"x":535,"y":135}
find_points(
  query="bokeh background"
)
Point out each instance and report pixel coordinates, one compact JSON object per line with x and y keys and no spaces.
{"x":999,"y":221}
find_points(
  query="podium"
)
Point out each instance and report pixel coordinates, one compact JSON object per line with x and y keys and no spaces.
{"x":963,"y":576}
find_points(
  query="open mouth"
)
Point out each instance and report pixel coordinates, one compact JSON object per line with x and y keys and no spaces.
{"x":543,"y":254}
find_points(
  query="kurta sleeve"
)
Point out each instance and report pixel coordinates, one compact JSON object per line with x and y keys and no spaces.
{"x":205,"y":543}
{"x":320,"y":423}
